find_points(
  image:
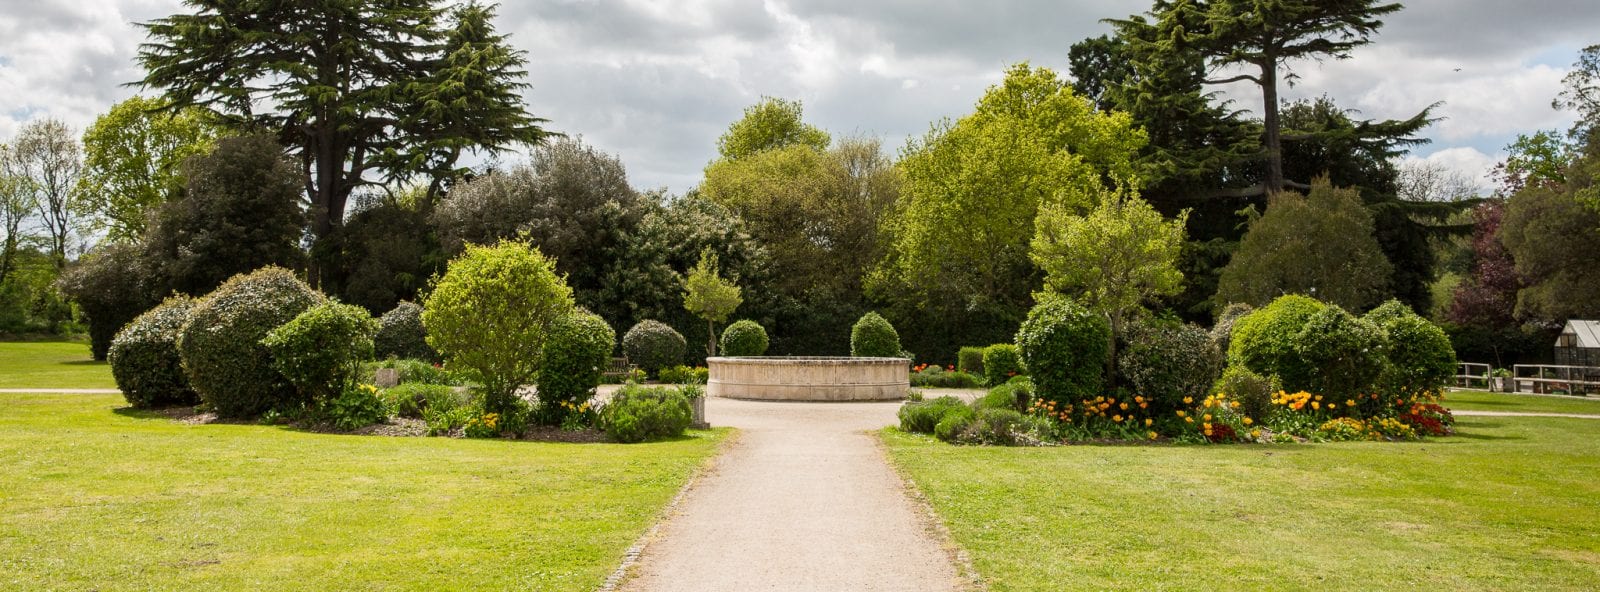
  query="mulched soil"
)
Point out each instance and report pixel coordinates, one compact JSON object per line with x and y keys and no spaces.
{"x":402,"y":427}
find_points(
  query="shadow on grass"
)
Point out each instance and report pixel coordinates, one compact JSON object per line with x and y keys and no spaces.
{"x":84,"y":363}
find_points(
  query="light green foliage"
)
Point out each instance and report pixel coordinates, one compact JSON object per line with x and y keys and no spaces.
{"x":1064,"y":346}
{"x":131,"y":158}
{"x":1534,"y":160}
{"x":744,"y":338}
{"x":321,"y":350}
{"x":921,"y":417}
{"x":709,"y":296}
{"x":221,"y":343}
{"x":1344,"y":353}
{"x":1321,"y":244}
{"x":144,"y":357}
{"x":575,"y":356}
{"x":973,"y":188}
{"x":413,"y":399}
{"x":873,"y":337}
{"x":1264,"y":341}
{"x":258,"y":497}
{"x":770,"y":124}
{"x":491,"y":312}
{"x":17,"y":204}
{"x":1555,"y":242}
{"x":652,"y":345}
{"x":355,"y":407}
{"x":1113,"y":260}
{"x":1001,"y":362}
{"x":640,"y":414}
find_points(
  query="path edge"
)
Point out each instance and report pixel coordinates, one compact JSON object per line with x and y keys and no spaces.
{"x":966,"y":574}
{"x":635,"y":552}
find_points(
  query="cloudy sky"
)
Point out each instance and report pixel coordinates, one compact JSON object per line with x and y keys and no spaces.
{"x":656,"y":82}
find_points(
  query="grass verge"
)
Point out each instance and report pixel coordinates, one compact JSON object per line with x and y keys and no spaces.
{"x":97,"y":497}
{"x":51,"y":365}
{"x":1510,"y":504}
{"x":1486,"y":401}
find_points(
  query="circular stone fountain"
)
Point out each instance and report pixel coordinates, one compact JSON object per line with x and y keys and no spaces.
{"x":774,"y":378}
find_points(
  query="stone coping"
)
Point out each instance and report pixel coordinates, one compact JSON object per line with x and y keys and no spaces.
{"x":807,"y":360}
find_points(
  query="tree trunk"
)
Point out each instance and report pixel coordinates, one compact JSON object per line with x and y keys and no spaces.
{"x":1271,"y":136}
{"x":711,"y":339}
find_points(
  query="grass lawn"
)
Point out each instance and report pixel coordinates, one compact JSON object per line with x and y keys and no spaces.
{"x":51,"y":365}
{"x":1510,"y":504}
{"x":1486,"y":401}
{"x":99,"y":498}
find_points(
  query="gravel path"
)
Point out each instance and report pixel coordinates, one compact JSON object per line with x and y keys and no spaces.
{"x":804,"y":499}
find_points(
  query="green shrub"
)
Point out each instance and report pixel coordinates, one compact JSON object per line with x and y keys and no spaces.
{"x":221,"y":343}
{"x":1253,"y":391}
{"x":575,"y":357}
{"x":920,"y":417}
{"x":1011,"y":395}
{"x":652,"y":345}
{"x":401,"y":335}
{"x":414,"y":399}
{"x":1064,"y":346}
{"x":1000,"y":427}
{"x":1222,"y":332}
{"x":873,"y":337}
{"x":638,"y":414}
{"x":684,"y":375}
{"x":356,"y":407}
{"x":145,"y":361}
{"x":108,"y":285}
{"x":1345,"y":354}
{"x":1167,"y":362}
{"x":936,"y":377}
{"x":320,"y":351}
{"x":744,"y":338}
{"x":970,"y":360}
{"x":1265,"y":340}
{"x":1002,"y":362}
{"x":954,"y":421}
{"x":1421,"y":358}
{"x":490,"y":314}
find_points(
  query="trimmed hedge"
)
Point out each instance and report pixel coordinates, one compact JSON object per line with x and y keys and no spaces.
{"x":145,"y":361}
{"x":1002,"y":362}
{"x":1267,"y":341}
{"x":321,"y":350}
{"x":744,"y":338}
{"x":221,"y":343}
{"x":652,"y":345}
{"x":873,"y":337}
{"x":970,"y":360}
{"x":401,"y":335}
{"x":575,"y":357}
{"x":1421,"y":358}
{"x":1064,"y":347}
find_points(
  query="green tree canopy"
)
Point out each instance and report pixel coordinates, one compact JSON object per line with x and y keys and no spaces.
{"x":1319,"y":245}
{"x":771,"y":123}
{"x":131,"y":159}
{"x":709,"y":296}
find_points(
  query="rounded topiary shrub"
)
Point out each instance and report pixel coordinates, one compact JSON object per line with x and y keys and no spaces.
{"x":638,"y":414}
{"x":652,"y":345}
{"x":1265,"y":340}
{"x":321,"y":350}
{"x":873,"y":337}
{"x":575,"y":358}
{"x":1064,"y":347}
{"x":1421,"y":358}
{"x":1167,"y":362}
{"x":970,"y":360}
{"x":401,"y":335}
{"x":145,"y":361}
{"x":1345,"y":355}
{"x":1001,"y":362}
{"x":221,"y":343}
{"x":744,"y":338}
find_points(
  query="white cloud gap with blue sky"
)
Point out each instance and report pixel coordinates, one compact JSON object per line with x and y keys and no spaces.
{"x":656,"y":82}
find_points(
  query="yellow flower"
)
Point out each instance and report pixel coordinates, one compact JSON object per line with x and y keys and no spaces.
{"x":1181,"y":413}
{"x":1316,"y":405}
{"x":1207,"y":417}
{"x":1248,"y":421}
{"x":1234,"y":404}
{"x":1152,"y":435}
{"x":1188,"y":400}
{"x":1123,"y":406}
{"x":1144,"y":405}
{"x":1148,"y":421}
{"x":1349,"y":402}
{"x":1138,"y":399}
{"x":1188,"y":420}
{"x":1116,"y":418}
{"x":1333,"y":405}
{"x":1255,"y":433}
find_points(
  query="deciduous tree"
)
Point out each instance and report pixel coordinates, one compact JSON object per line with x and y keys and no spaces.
{"x":709,"y":296}
{"x":132,"y":157}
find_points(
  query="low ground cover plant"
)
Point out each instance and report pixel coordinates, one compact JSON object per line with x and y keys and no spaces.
{"x":681,"y":374}
{"x":640,"y":413}
{"x":933,"y":376}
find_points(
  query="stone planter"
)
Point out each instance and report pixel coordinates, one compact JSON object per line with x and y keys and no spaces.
{"x":809,"y":378}
{"x":698,"y":406}
{"x":1503,"y":385}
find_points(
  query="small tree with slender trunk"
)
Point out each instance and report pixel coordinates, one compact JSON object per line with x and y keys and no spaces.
{"x":710,"y":297}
